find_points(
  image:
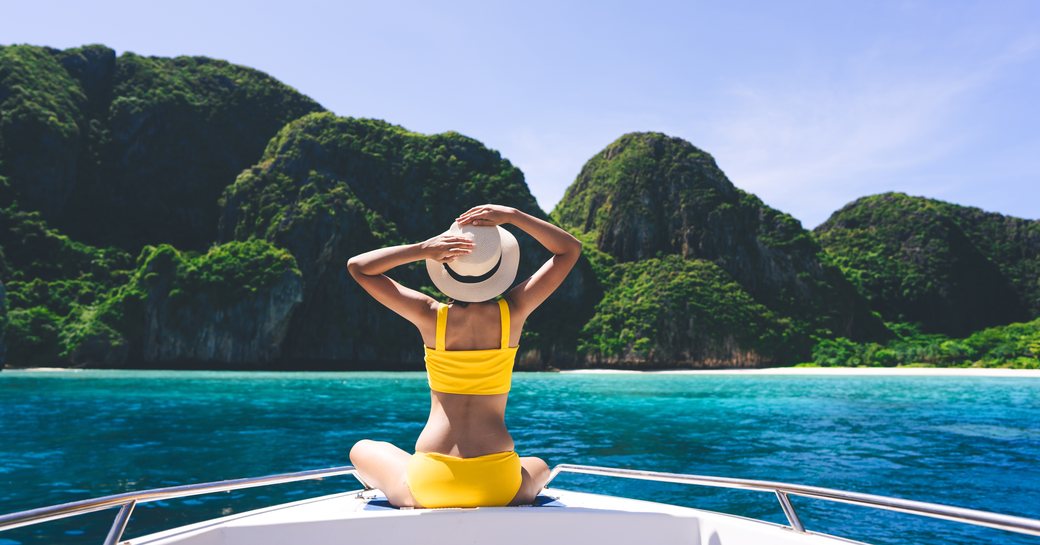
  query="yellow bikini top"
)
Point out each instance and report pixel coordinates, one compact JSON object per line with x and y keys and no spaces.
{"x":478,"y":372}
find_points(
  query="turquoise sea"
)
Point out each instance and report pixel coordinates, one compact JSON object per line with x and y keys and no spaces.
{"x":964,"y":441}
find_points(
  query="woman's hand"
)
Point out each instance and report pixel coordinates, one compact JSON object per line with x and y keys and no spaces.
{"x":487,"y":214}
{"x":445,"y":248}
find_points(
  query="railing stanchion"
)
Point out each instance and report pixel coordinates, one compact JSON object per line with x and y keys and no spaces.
{"x":792,"y":517}
{"x":119,"y":524}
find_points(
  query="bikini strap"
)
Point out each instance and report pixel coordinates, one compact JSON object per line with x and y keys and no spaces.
{"x":503,"y":307}
{"x":442,"y":325}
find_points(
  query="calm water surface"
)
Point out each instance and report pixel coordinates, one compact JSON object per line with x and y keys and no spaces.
{"x":965,"y":441}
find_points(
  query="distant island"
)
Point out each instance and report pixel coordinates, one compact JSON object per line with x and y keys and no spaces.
{"x":188,"y":213}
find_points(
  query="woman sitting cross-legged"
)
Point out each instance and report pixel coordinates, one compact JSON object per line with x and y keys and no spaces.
{"x":464,"y":457}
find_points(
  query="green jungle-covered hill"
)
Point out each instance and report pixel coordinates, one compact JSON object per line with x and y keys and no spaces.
{"x":329,"y":187}
{"x":648,"y":196}
{"x":138,"y":256}
{"x":952,"y":269}
{"x":1015,"y":345}
{"x":187,"y":212}
{"x":133,"y":150}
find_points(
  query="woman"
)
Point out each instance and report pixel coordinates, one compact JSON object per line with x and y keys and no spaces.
{"x":464,"y":457}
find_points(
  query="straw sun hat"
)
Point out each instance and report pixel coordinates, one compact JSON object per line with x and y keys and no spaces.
{"x":485,"y":272}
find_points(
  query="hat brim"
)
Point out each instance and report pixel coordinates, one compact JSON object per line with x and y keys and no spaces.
{"x":481,"y":291}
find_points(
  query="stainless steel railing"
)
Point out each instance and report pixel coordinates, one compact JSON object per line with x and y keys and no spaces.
{"x":128,"y":500}
{"x":1010,"y":523}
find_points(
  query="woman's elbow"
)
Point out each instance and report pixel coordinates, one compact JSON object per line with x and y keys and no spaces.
{"x":353,"y":267}
{"x":575,"y":246}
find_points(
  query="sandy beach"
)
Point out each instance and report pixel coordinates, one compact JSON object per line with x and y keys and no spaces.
{"x":838,"y":371}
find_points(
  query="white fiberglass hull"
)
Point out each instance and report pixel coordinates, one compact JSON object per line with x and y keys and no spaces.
{"x":572,"y":517}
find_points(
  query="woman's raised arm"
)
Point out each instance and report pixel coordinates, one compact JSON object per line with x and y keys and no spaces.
{"x":527,"y":295}
{"x":368,"y":268}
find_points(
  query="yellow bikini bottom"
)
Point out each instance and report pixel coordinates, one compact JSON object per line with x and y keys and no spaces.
{"x":440,"y":480}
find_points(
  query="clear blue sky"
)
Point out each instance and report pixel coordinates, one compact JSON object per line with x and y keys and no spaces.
{"x":807,"y":104}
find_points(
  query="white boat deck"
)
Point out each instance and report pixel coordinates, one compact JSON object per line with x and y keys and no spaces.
{"x":560,"y":517}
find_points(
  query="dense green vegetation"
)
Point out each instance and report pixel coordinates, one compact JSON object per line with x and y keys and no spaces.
{"x":62,"y":295}
{"x":168,"y":281}
{"x":133,"y":150}
{"x":1012,"y":244}
{"x":34,"y":251}
{"x":226,"y":272}
{"x":242,"y":200}
{"x":330,"y":187}
{"x":672,"y":311}
{"x":41,"y":112}
{"x":119,"y":152}
{"x":49,"y":279}
{"x":321,"y":162}
{"x":3,"y":323}
{"x":648,"y":196}
{"x":952,"y":269}
{"x":1014,"y":345}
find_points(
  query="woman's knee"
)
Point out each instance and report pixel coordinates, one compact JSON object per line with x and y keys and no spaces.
{"x":537,"y":467}
{"x":537,"y":473}
{"x":360,"y":449}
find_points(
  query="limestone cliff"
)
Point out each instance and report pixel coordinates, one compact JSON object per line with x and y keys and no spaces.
{"x":133,"y":150}
{"x":230,"y":307}
{"x":242,"y":201}
{"x":329,"y":187}
{"x":953,"y":269}
{"x":3,"y":324}
{"x":676,"y":312}
{"x":648,"y":195}
{"x":247,"y":332}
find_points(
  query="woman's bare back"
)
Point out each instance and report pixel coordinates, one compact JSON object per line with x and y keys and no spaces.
{"x":460,"y":424}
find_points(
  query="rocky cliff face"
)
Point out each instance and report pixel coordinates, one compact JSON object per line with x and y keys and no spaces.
{"x":50,"y":279}
{"x":230,"y":307}
{"x":245,"y":333}
{"x":328,"y":188}
{"x":104,"y":158}
{"x":953,"y":269}
{"x":3,"y":325}
{"x":133,"y":150}
{"x":122,"y":152}
{"x":677,"y":312}
{"x":42,"y":126}
{"x":648,"y":195}
{"x":1012,"y":244}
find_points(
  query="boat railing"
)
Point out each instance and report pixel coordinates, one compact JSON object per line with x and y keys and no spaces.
{"x":975,"y":517}
{"x":128,"y":500}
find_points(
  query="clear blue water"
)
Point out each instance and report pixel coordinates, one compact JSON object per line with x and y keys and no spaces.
{"x":965,"y":441}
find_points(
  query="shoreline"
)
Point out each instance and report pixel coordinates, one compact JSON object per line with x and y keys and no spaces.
{"x":832,"y":371}
{"x":772,"y":371}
